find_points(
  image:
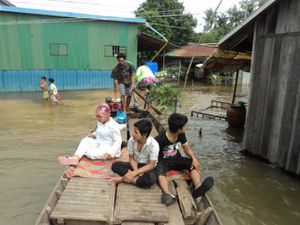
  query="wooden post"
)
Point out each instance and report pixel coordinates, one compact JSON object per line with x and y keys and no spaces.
{"x":164,"y":59}
{"x":235,"y":85}
{"x":179,"y":72}
{"x":188,"y":70}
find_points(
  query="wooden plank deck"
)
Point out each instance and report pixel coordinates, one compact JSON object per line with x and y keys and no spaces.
{"x":134,"y":204}
{"x":85,"y":200}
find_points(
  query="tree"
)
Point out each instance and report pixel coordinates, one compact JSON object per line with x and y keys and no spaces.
{"x":168,"y":18}
{"x":216,"y":26}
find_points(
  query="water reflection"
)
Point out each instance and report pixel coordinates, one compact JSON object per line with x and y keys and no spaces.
{"x":34,"y":133}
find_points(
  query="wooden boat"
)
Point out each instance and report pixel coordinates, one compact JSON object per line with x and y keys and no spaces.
{"x":82,"y":201}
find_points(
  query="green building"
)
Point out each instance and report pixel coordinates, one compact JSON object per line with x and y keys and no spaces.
{"x":77,"y":50}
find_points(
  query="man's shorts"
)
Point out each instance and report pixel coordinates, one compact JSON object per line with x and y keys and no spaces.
{"x":147,"y":82}
{"x":125,"y":90}
{"x":173,"y":163}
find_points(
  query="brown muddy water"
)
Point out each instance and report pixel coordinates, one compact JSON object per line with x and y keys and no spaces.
{"x":34,"y":133}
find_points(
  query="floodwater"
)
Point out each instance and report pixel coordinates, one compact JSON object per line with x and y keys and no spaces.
{"x":33,"y":133}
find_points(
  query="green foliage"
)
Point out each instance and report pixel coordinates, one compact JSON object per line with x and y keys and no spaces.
{"x":164,"y":96}
{"x":167,"y":17}
{"x":171,"y":72}
{"x":216,"y":26}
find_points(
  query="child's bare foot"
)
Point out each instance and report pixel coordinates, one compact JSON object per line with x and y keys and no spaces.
{"x":115,"y":180}
{"x":69,"y":172}
{"x":67,"y":160}
{"x":106,"y":156}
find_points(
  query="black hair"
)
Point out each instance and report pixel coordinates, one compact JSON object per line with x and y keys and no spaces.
{"x":176,"y":122}
{"x":142,"y":62}
{"x":44,"y":78}
{"x":51,"y":80}
{"x":121,"y":55}
{"x":144,"y":126}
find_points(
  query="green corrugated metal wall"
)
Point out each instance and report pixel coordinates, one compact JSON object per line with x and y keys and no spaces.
{"x":25,"y":42}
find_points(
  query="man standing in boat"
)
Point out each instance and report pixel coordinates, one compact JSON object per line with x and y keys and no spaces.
{"x":123,"y":76}
{"x":171,"y":159}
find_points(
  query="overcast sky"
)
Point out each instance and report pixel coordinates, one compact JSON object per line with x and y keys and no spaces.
{"x":121,"y":8}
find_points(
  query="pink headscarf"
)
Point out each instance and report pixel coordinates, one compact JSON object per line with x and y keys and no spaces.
{"x":103,"y":109}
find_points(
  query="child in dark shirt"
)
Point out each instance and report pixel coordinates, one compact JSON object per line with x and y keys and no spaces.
{"x":171,"y":159}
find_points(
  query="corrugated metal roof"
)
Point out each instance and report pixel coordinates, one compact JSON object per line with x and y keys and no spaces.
{"x":149,"y":43}
{"x":228,"y":61}
{"x":69,"y":14}
{"x":187,"y":51}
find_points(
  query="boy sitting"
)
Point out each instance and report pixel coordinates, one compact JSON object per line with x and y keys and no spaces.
{"x":171,"y":159}
{"x":143,"y":154}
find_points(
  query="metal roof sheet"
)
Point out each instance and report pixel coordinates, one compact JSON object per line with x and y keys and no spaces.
{"x":69,"y":14}
{"x":149,"y":43}
{"x":187,"y":51}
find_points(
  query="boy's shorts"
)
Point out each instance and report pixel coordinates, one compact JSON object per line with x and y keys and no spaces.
{"x":125,"y":90}
{"x":173,"y":163}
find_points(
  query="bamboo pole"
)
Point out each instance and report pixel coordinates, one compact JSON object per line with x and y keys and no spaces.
{"x":200,"y":39}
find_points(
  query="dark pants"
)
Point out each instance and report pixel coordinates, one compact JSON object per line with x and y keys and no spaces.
{"x":173,"y":163}
{"x":148,"y":178}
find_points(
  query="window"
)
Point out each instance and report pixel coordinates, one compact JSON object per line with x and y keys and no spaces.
{"x":114,"y":50}
{"x":58,"y":49}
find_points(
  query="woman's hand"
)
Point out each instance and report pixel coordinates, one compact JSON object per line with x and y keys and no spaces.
{"x":92,"y":135}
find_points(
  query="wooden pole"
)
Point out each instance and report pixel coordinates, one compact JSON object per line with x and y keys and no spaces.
{"x":188,"y":70}
{"x":200,"y":39}
{"x":145,"y":100}
{"x":179,"y":72}
{"x":235,"y":85}
{"x":164,"y":59}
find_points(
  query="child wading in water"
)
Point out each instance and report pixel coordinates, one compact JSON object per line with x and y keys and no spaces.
{"x":54,"y":94}
{"x":171,"y":159}
{"x":143,"y":153}
{"x":44,"y":87}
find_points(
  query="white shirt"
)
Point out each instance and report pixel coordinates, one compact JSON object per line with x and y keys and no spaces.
{"x":108,"y":136}
{"x":148,"y":152}
{"x":53,"y":88}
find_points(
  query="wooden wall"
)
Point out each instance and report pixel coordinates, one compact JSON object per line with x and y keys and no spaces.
{"x":273,"y":118}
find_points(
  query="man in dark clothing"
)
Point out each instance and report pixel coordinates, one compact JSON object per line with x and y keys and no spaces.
{"x":123,"y":75}
{"x":171,"y":159}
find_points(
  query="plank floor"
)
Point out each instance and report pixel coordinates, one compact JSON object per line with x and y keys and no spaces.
{"x":85,"y":200}
{"x":139,"y":204}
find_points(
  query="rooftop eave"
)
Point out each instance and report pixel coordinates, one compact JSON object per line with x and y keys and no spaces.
{"x":70,"y":14}
{"x":246,"y":23}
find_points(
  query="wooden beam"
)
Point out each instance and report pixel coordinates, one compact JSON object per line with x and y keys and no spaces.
{"x":186,"y":202}
{"x":145,"y":100}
